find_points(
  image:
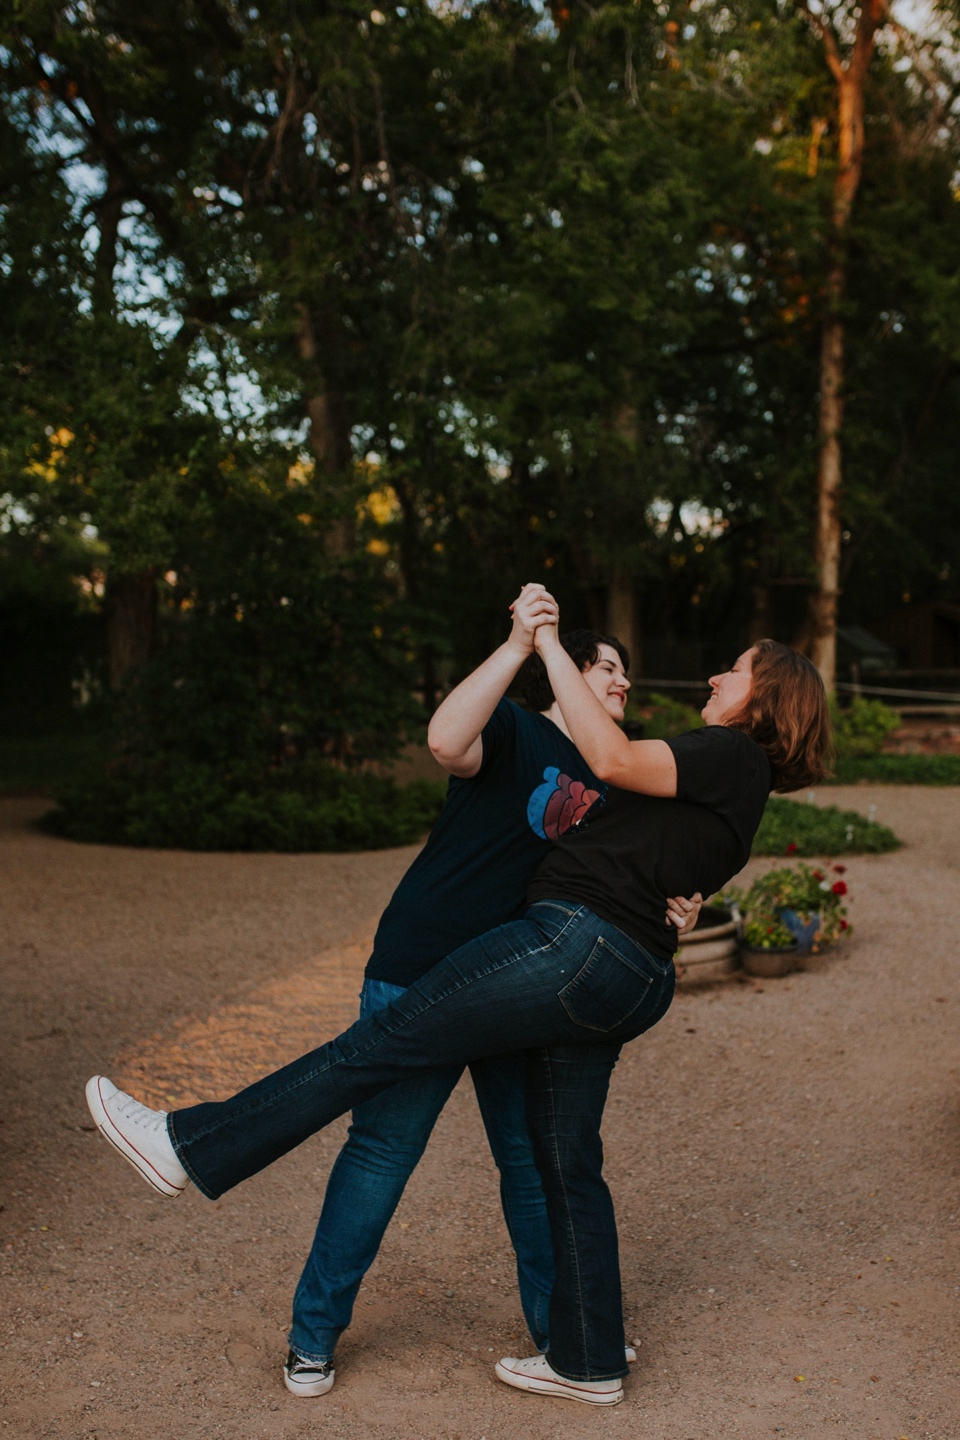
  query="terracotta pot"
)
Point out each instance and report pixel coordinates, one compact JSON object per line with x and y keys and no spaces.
{"x":709,"y":951}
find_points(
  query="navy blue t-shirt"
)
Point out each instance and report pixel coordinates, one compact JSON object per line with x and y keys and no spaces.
{"x":490,"y":836}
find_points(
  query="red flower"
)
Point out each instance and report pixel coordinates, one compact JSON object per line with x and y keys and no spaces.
{"x":791,"y":848}
{"x":840,"y":887}
{"x":840,"y":869}
{"x":844,"y":924}
{"x":817,"y":875}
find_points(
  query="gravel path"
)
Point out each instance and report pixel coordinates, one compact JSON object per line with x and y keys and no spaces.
{"x":784,"y":1157}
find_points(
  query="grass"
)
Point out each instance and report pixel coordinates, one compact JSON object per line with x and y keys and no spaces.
{"x":790,"y":827}
{"x":898,"y":770}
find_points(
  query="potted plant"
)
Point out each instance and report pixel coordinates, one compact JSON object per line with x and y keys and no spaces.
{"x":767,"y":946}
{"x":791,"y":911}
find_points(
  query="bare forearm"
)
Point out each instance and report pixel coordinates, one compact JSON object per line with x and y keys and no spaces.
{"x":599,"y":739}
{"x":645,"y":766}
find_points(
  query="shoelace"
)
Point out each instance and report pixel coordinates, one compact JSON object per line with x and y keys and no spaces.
{"x":299,"y":1366}
{"x":142,"y":1115}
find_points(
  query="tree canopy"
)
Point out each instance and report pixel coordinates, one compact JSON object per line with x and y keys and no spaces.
{"x":325,"y":327}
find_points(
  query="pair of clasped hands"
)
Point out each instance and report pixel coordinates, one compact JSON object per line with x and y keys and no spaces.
{"x":536,"y":620}
{"x":536,"y":617}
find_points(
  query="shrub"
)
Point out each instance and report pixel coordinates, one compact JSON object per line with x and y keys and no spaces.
{"x":660,"y":718}
{"x":789,"y":827}
{"x":862,"y":727}
{"x":182,"y":804}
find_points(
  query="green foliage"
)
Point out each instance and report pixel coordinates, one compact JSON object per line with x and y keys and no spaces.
{"x":662,"y":717}
{"x":861,"y":727}
{"x":765,"y":932}
{"x":270,"y":639}
{"x":550,"y":289}
{"x":790,"y":827}
{"x":898,"y":770}
{"x":799,"y":887}
{"x":183,"y":804}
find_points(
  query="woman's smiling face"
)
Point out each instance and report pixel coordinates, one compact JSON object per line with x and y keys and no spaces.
{"x":608,"y":682}
{"x":729,"y":691}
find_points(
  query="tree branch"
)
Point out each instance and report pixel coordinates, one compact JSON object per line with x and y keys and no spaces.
{"x":825,"y":33}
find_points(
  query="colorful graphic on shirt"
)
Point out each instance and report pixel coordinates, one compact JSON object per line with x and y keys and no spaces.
{"x":558,"y":804}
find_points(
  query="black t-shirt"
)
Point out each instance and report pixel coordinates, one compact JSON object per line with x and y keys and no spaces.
{"x":632,"y":851}
{"x":482,"y":853}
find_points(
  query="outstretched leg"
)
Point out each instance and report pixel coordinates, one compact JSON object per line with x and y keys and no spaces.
{"x":497,"y":994}
{"x":561,"y":976}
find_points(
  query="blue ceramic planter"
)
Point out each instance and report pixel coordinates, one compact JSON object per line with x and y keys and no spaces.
{"x":803,"y":928}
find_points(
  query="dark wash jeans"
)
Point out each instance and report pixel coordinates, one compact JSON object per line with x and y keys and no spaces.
{"x":560,"y":981}
{"x":387,"y":1137}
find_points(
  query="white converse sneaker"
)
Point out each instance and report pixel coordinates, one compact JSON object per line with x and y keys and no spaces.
{"x":140,"y":1134}
{"x":307,"y":1377}
{"x":537,"y":1376}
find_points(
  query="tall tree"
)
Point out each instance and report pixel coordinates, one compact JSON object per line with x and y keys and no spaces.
{"x":850,"y":75}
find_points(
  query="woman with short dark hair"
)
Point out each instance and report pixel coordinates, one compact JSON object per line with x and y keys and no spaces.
{"x":584,"y":971}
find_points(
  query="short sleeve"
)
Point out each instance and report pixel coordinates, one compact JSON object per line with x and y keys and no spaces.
{"x":496,"y":734}
{"x":718,"y":767}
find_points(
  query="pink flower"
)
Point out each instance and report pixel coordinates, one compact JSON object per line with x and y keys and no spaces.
{"x":840,"y":887}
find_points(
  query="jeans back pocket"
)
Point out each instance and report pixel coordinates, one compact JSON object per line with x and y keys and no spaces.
{"x":606,"y":990}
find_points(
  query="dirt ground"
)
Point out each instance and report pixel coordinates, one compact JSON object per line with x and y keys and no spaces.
{"x":784,"y":1156}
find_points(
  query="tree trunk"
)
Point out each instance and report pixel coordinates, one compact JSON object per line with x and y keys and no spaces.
{"x":329,"y":434}
{"x":825,"y":595}
{"x":110,"y":208}
{"x":590,"y":587}
{"x":131,"y":606}
{"x":850,"y":76}
{"x":623,"y":620}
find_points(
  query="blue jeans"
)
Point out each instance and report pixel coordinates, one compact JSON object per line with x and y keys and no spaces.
{"x":559,"y":982}
{"x":386,"y":1140}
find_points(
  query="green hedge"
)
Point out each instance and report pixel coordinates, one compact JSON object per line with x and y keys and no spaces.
{"x":897,"y":770}
{"x":790,"y":827}
{"x":179,"y":804}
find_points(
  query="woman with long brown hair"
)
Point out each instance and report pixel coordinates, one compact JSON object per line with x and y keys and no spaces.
{"x":584,"y":971}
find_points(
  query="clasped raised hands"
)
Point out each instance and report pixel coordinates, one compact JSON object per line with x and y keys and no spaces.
{"x":536,"y":617}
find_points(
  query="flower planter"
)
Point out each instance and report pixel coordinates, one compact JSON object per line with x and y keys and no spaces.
{"x":770,"y":964}
{"x":710,"y":951}
{"x":790,"y":912}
